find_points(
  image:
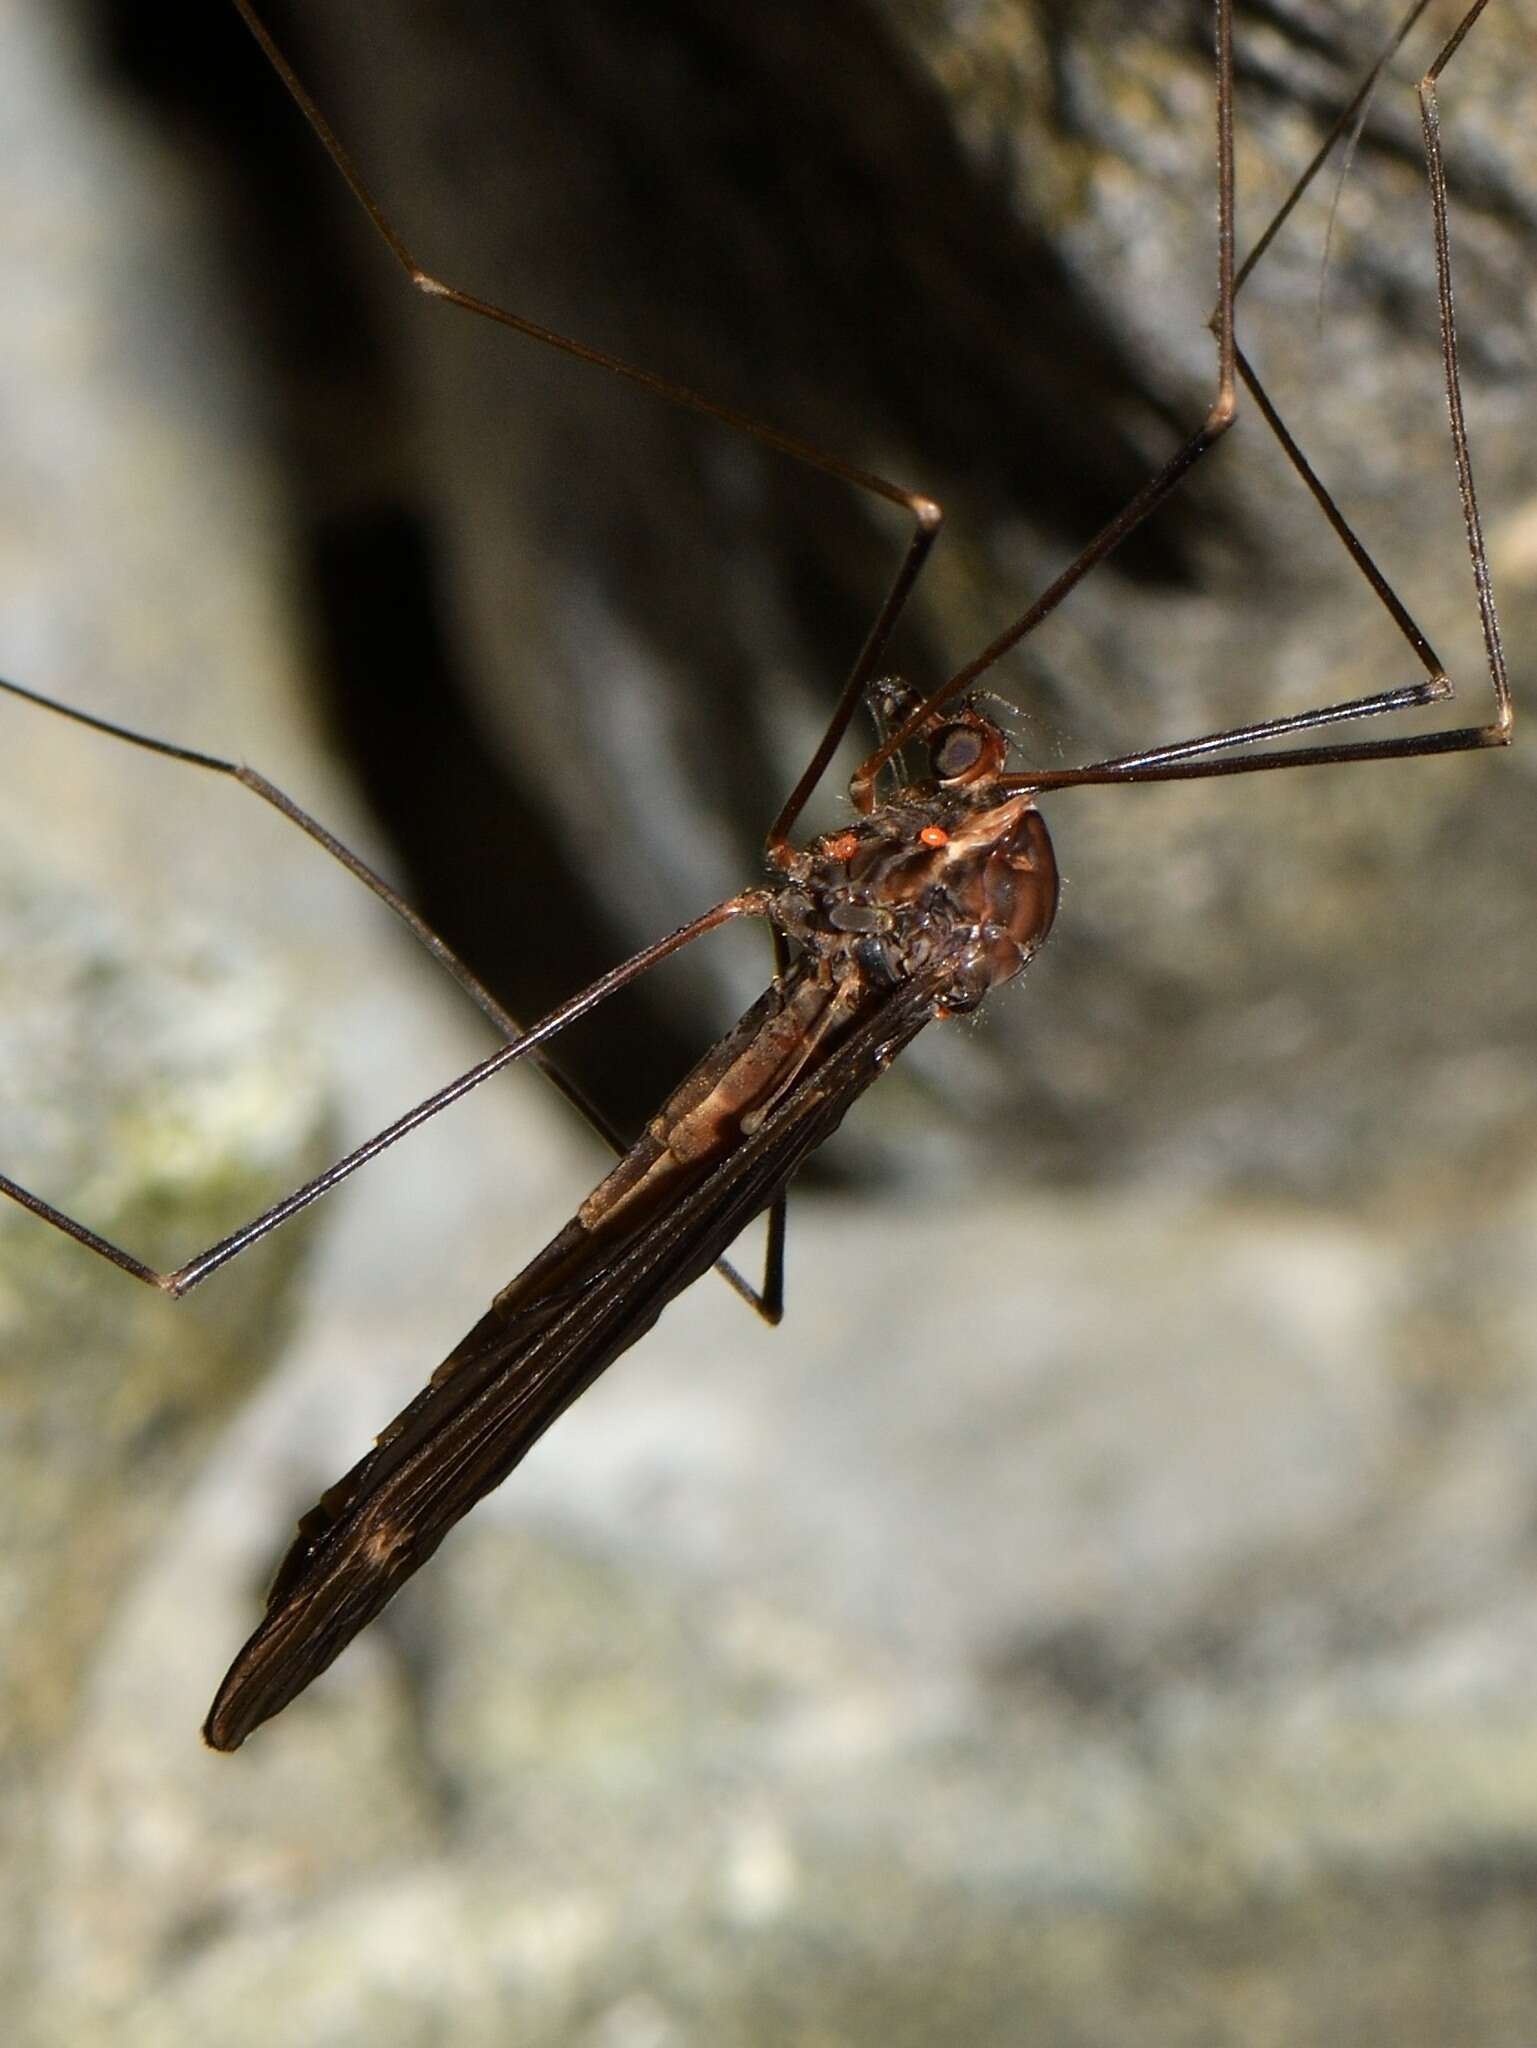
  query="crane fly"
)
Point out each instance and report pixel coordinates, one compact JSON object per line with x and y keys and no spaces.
{"x":940,"y":889}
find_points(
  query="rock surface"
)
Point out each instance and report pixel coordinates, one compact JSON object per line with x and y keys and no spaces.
{"x":1104,"y":1612}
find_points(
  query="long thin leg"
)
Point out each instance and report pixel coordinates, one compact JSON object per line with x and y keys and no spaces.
{"x":769,"y":1297}
{"x":420,"y":930}
{"x":926,"y":515}
{"x":1152,"y":760}
{"x":1189,"y":760}
{"x":751,"y":903}
{"x":251,"y":779}
{"x":1219,"y":417}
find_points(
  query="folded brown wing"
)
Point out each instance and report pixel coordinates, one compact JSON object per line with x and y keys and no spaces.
{"x":525,"y":1362}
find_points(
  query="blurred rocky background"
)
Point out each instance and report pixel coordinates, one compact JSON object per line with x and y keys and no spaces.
{"x":1104,"y":1612}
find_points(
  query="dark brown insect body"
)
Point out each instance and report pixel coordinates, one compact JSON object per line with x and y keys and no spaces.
{"x":914,"y":913}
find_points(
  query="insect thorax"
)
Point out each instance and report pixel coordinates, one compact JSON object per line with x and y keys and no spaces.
{"x":937,"y":884}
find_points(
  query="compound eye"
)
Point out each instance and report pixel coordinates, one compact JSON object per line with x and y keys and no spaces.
{"x":956,"y":751}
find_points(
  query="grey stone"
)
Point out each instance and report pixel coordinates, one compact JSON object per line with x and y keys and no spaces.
{"x":1102,"y":1613}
